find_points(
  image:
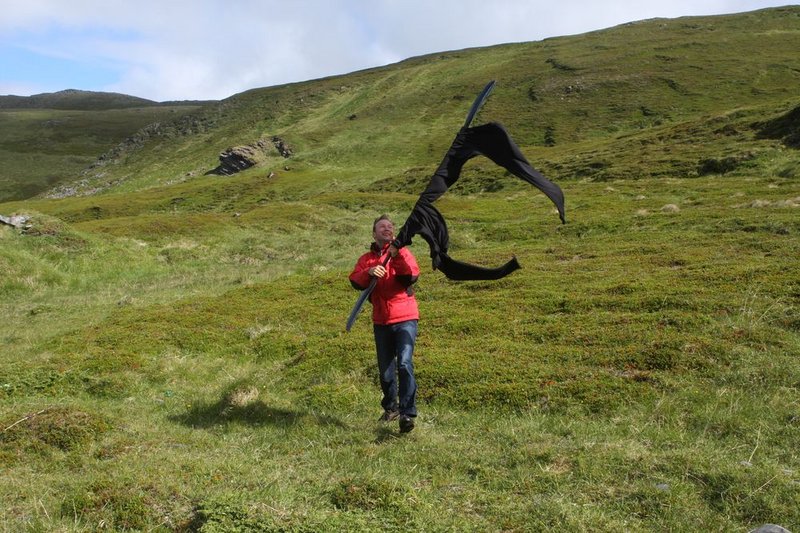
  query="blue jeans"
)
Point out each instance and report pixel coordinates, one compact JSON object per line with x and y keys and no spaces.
{"x":395,"y":346}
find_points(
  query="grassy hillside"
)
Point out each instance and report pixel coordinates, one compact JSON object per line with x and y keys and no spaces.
{"x":628,"y":102}
{"x":42,"y":147}
{"x":174,"y":346}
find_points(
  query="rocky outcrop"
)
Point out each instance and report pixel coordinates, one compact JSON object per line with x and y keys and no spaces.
{"x":182,"y":127}
{"x":239,"y":158}
{"x":785,"y":128}
{"x":282,"y":147}
{"x":18,"y":221}
{"x":94,"y":177}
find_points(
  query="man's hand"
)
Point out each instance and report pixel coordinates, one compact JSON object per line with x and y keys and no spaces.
{"x":377,"y":271}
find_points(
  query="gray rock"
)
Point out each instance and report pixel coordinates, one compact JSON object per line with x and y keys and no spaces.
{"x":239,"y":158}
{"x":17,"y":221}
{"x":770,"y":528}
{"x":283,"y":148}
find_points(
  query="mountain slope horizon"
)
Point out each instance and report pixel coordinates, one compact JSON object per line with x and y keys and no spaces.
{"x":579,"y":103}
{"x":83,"y":100}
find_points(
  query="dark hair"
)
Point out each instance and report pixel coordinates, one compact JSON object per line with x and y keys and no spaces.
{"x":382,"y":217}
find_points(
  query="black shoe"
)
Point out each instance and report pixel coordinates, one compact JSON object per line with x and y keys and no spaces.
{"x":406,"y":423}
{"x":388,"y":416}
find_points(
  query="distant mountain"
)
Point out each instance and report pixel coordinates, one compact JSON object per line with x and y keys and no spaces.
{"x":75,"y":100}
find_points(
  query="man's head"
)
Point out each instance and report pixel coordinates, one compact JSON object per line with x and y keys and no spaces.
{"x":383,"y":230}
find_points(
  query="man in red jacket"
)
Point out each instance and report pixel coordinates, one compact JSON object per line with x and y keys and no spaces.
{"x":394,"y":316}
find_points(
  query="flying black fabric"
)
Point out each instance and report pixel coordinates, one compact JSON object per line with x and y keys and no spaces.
{"x":493,"y":141}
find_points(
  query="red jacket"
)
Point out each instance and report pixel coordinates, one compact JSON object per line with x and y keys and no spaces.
{"x":393,"y":297}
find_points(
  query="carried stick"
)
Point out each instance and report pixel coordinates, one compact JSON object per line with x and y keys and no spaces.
{"x":363,"y":297}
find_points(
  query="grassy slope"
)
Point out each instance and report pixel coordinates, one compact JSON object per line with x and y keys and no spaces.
{"x":183,"y":361}
{"x":608,"y":97}
{"x":40,"y":148}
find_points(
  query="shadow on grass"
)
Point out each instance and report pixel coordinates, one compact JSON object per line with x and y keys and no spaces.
{"x":387,"y":433}
{"x":257,"y":413}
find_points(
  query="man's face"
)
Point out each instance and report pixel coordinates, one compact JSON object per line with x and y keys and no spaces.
{"x":384,"y":231}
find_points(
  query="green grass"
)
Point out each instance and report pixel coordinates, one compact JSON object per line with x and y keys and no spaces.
{"x":588,"y":106}
{"x":174,"y":353}
{"x":639,"y":372}
{"x":42,"y":148}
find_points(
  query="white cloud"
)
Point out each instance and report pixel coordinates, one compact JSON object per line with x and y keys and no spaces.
{"x":214,"y":48}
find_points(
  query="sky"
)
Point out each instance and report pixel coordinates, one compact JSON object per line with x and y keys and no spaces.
{"x":211,"y":49}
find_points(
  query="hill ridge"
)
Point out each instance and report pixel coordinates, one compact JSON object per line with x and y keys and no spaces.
{"x":82,"y":100}
{"x":582,"y":106}
{"x":568,"y":100}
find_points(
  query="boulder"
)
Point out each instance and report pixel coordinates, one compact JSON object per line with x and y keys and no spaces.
{"x":282,"y":147}
{"x":17,"y":221}
{"x":239,"y":158}
{"x":770,"y":528}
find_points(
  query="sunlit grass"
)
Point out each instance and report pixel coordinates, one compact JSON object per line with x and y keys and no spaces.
{"x":637,"y":373}
{"x":174,"y":353}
